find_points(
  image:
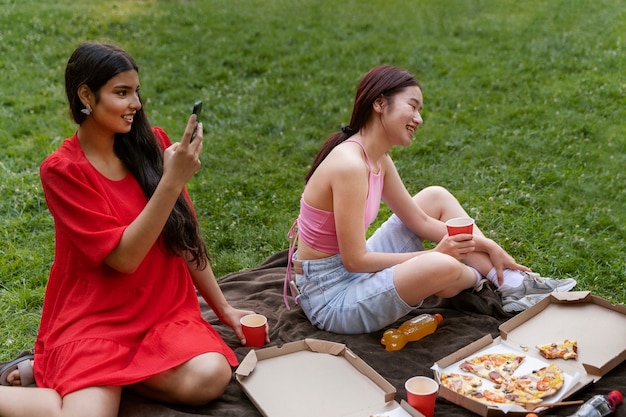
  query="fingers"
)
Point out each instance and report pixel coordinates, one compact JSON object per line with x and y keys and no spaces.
{"x":193,"y":131}
{"x":500,"y":274}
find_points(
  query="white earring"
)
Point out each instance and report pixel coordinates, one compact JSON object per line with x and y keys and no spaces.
{"x":87,"y":110}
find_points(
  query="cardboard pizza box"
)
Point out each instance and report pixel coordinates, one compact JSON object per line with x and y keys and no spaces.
{"x":316,"y":378}
{"x":598,"y":326}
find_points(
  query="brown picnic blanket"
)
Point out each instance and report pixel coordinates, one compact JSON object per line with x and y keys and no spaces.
{"x":467,"y":317}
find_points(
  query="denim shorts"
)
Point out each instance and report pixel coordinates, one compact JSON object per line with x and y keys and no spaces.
{"x":345,"y":302}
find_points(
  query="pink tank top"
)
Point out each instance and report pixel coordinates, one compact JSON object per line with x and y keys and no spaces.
{"x":317,"y":227}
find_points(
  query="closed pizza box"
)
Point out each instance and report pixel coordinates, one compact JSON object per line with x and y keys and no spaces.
{"x":315,"y":378}
{"x":598,"y":326}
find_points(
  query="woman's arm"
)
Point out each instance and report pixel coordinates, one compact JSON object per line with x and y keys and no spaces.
{"x":348,"y":179}
{"x":427,"y":227}
{"x":207,"y":286}
{"x":181,"y":161}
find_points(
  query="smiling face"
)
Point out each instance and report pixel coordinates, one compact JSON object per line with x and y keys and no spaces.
{"x":401,"y":115}
{"x":115,"y":104}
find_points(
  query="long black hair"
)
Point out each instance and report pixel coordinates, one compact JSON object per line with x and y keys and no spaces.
{"x":380,"y":81}
{"x":93,"y":65}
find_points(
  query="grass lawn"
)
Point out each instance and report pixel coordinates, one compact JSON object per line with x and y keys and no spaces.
{"x":524,"y":119}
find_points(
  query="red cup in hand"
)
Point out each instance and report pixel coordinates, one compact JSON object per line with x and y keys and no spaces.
{"x":253,"y":326}
{"x":460,"y":225}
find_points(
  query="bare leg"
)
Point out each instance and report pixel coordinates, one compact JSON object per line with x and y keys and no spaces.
{"x":435,"y":273}
{"x":22,"y":401}
{"x":196,"y":382}
{"x":429,"y":274}
{"x":440,"y":204}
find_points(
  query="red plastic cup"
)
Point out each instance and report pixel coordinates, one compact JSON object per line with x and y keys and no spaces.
{"x":460,"y":225}
{"x":421,"y":393}
{"x":253,"y":326}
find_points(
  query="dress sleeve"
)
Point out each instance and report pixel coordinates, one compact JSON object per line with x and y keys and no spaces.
{"x":83,"y":216}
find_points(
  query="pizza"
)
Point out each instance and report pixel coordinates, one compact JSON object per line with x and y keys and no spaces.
{"x":493,"y":366}
{"x":505,"y":394}
{"x":507,"y":388}
{"x":461,"y":384}
{"x":568,"y":349}
{"x":543,"y":382}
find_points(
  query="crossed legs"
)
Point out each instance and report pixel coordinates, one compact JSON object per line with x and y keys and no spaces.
{"x":435,"y":273}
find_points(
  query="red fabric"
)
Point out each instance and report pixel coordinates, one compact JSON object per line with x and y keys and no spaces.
{"x":101,"y":327}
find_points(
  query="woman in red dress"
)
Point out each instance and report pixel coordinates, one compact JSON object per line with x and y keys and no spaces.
{"x":121,"y":308}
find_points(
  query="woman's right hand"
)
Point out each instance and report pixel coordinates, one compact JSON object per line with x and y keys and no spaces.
{"x":181,"y":160}
{"x":457,"y":246}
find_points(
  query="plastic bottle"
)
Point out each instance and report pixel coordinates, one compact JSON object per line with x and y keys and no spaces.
{"x":600,"y":405}
{"x":410,"y":331}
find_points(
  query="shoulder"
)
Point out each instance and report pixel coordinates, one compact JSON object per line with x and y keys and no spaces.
{"x":68,"y":155}
{"x":347,"y":158}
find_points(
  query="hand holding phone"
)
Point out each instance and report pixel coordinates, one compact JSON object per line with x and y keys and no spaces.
{"x":197,"y":110}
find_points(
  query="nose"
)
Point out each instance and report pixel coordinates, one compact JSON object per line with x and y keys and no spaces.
{"x":136,"y":102}
{"x":417,"y":117}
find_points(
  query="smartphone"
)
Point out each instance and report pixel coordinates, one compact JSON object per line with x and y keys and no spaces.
{"x":197,"y":110}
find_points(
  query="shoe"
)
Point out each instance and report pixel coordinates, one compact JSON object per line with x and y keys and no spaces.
{"x":24,"y":366}
{"x":532,"y":290}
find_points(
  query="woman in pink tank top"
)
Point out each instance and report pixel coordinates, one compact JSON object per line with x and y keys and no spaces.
{"x":346,"y":283}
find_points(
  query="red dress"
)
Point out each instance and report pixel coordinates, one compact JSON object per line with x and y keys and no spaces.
{"x":100,"y":327}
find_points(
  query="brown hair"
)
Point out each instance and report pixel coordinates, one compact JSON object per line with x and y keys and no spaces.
{"x":380,"y":81}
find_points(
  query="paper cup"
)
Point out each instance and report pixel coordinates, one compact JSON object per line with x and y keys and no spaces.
{"x":253,"y":326}
{"x":421,"y":393}
{"x":460,"y":225}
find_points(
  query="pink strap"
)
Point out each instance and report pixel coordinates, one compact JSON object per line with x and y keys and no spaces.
{"x":293,"y":236}
{"x":367,"y":158}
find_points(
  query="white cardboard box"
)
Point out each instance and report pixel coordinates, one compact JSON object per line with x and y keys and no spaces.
{"x":598,"y":326}
{"x":315,"y":378}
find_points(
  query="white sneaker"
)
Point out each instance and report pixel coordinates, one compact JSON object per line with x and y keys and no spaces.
{"x":532,"y":290}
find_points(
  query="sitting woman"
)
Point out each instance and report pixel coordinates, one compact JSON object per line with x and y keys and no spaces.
{"x":120,"y":308}
{"x":348,"y":284}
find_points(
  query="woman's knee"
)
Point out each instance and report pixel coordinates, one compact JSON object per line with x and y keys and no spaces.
{"x":434,"y":192}
{"x":428,"y":274}
{"x":196,"y":382}
{"x":205,"y":381}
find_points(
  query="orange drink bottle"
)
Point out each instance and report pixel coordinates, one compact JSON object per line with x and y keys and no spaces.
{"x":411,"y":330}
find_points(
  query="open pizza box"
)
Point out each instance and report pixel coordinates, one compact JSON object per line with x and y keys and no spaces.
{"x":315,"y":378}
{"x":598,"y":326}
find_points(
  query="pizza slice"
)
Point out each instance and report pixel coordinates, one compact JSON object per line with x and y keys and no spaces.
{"x":541,"y":383}
{"x":462,"y":384}
{"x":496,"y":367}
{"x":568,"y":349}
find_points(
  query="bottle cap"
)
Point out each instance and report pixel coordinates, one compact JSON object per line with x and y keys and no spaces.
{"x":615,"y":397}
{"x":439,"y":318}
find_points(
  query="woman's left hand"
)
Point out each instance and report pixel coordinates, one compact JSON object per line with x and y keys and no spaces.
{"x":502,"y":260}
{"x":232,"y":318}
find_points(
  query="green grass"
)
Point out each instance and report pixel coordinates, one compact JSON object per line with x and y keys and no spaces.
{"x":524,"y":119}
